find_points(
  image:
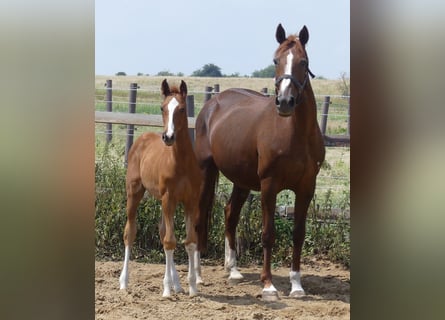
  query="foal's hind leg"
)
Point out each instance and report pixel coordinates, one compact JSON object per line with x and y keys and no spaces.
{"x":232,"y":213}
{"x":135,"y":192}
{"x":191,"y":214}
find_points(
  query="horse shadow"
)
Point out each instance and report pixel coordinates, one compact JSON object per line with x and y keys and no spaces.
{"x":318,"y":288}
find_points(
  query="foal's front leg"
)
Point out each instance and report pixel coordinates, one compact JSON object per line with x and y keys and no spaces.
{"x":167,"y":234}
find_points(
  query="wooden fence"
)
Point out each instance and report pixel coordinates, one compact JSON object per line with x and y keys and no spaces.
{"x":131,"y":118}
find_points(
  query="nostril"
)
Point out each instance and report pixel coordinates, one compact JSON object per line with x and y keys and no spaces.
{"x":277,"y":102}
{"x":291,"y":101}
{"x":164,"y":136}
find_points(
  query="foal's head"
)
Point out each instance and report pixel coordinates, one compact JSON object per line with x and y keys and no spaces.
{"x":174,"y":112}
{"x":291,"y":69}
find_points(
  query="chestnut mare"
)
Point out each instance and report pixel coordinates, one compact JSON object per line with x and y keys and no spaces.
{"x":165,"y":165}
{"x":264,"y":144}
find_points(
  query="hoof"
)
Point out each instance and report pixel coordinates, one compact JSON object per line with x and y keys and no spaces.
{"x":199,"y":280}
{"x":235,"y":277}
{"x":297,"y":294}
{"x":193,"y":293}
{"x":270,"y":295}
{"x":179,"y":290}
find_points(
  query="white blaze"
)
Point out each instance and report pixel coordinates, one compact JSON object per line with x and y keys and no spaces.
{"x":287,"y":70}
{"x":171,"y":110}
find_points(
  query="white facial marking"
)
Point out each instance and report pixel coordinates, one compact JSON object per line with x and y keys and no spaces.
{"x":171,"y":109}
{"x":287,"y":70}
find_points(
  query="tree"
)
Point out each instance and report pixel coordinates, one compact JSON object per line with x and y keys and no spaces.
{"x":268,"y":72}
{"x":208,"y":70}
{"x":165,"y":73}
{"x":121,"y":73}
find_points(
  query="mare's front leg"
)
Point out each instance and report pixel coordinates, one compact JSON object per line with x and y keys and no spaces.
{"x":302,"y":202}
{"x":232,"y":212}
{"x":167,"y":235}
{"x":268,"y":199}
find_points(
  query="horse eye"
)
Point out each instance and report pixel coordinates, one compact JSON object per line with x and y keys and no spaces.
{"x":303,"y":63}
{"x":162,"y":108}
{"x":275,"y":61}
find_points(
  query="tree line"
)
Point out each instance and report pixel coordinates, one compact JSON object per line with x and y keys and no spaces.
{"x":212,"y":70}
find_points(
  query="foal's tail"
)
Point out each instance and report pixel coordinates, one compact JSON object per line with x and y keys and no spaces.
{"x":206,"y":205}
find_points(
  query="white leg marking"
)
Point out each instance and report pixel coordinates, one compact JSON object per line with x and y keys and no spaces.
{"x":123,"y":279}
{"x":198,"y":267}
{"x":270,"y":293}
{"x":287,"y":70}
{"x":171,"y":109}
{"x":171,"y":277}
{"x":191,"y":250}
{"x":295,"y":280}
{"x":230,"y":263}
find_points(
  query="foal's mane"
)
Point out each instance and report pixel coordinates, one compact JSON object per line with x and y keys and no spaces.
{"x":174,"y":90}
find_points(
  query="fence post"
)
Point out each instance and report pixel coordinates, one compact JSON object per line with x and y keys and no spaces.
{"x":324,"y":114}
{"x":207,"y":94}
{"x":349,"y":116}
{"x":216,"y":89}
{"x":109,"y":104}
{"x":130,"y":127}
{"x":191,"y":113}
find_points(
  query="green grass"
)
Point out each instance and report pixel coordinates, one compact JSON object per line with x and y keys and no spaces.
{"x":149,"y":96}
{"x":326,"y":236}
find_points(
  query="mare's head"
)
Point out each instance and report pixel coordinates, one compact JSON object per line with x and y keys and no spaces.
{"x":174,"y":114}
{"x":291,"y":70}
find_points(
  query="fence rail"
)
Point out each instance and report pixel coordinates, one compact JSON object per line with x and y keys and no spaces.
{"x":132,"y":119}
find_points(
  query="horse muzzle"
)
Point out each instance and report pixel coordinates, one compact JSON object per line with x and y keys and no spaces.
{"x":285,"y":105}
{"x":168,"y":140}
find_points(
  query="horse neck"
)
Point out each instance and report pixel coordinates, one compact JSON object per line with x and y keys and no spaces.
{"x":183,"y":145}
{"x":305,"y":115}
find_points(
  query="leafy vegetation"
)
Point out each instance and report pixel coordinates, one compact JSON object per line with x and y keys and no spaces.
{"x":208,"y":70}
{"x":268,"y":72}
{"x":326,"y":235}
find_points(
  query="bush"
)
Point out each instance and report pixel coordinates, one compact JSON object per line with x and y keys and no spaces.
{"x":326,"y":236}
{"x":268,"y":72}
{"x":208,"y":70}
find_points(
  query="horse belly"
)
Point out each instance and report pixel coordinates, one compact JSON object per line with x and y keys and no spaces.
{"x":237,"y":163}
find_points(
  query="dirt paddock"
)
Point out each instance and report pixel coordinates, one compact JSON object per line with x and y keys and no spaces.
{"x":327,"y":287}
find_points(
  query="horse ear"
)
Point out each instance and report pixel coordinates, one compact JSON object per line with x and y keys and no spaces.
{"x":183,"y":88}
{"x":304,"y":35}
{"x":165,"y":88}
{"x":280,"y":34}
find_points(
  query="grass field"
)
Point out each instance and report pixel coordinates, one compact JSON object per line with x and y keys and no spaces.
{"x":149,"y":95}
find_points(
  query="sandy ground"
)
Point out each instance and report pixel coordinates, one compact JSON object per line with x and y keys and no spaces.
{"x":327,"y":286}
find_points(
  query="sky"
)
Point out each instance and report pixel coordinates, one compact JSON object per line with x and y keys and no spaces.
{"x":236,"y":35}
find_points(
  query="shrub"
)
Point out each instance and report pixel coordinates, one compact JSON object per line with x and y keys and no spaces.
{"x":326,"y":235}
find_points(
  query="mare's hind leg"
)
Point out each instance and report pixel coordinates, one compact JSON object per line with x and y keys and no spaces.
{"x":135,"y":192}
{"x":232,"y":213}
{"x":207,"y":194}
